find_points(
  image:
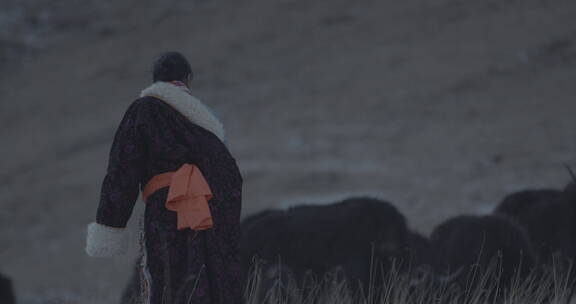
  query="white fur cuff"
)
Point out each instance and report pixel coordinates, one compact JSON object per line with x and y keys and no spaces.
{"x":104,"y":241}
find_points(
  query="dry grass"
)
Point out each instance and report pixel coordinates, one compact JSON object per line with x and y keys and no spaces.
{"x":395,"y":287}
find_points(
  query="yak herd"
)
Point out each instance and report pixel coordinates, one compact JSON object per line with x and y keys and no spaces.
{"x":528,"y":233}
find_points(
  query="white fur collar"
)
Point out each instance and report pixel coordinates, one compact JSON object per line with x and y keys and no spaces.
{"x":189,"y":106}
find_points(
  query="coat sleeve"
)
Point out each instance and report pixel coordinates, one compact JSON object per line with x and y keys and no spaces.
{"x":121,"y":185}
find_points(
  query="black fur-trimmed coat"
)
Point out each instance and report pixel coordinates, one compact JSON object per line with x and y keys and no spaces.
{"x":160,"y":131}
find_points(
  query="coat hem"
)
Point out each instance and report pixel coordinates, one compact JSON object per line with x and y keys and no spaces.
{"x":144,"y":273}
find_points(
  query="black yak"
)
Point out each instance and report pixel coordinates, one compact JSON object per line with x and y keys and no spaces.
{"x":327,"y":238}
{"x":549,"y":217}
{"x":6,"y":291}
{"x":469,"y":248}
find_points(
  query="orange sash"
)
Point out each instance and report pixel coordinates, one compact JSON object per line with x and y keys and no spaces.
{"x":188,"y":195}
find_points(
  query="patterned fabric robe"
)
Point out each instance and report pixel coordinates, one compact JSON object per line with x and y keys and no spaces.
{"x":160,"y":131}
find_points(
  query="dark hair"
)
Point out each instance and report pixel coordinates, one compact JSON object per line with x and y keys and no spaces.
{"x":172,"y":66}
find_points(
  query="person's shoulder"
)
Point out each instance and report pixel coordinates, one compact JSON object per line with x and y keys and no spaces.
{"x":142,"y":109}
{"x":145,"y":104}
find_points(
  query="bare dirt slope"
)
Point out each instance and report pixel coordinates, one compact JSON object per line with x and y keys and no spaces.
{"x":440,"y":108}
